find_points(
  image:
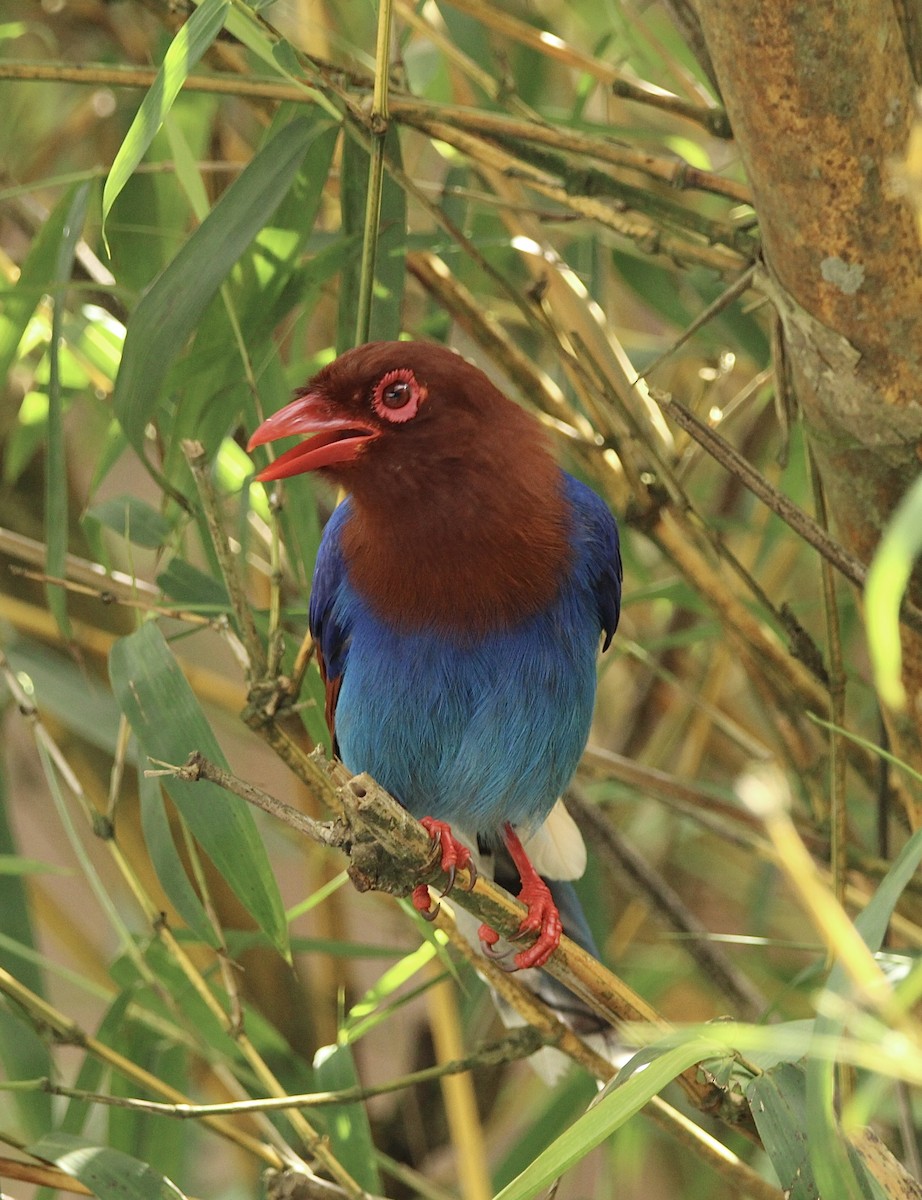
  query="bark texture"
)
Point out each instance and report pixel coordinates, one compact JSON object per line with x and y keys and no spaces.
{"x":821,"y":99}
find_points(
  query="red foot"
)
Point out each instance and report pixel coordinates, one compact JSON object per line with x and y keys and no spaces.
{"x":488,"y":939}
{"x":542,"y":918}
{"x":422,"y":902}
{"x":452,"y":855}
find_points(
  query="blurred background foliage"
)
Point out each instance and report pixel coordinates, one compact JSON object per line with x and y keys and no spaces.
{"x":562,"y":202}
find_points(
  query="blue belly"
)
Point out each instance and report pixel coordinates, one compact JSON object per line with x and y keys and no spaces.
{"x":479,"y":734}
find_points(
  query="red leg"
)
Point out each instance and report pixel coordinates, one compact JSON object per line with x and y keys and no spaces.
{"x":452,"y":855}
{"x":543,"y":917}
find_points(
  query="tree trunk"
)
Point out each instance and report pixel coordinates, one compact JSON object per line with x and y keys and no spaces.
{"x":820,"y":97}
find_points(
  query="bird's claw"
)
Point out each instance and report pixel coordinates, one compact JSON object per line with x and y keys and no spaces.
{"x":450,"y":854}
{"x":453,"y":873}
{"x":542,"y":919}
{"x":488,"y":939}
{"x":422,"y":902}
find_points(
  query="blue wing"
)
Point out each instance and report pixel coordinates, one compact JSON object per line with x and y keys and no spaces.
{"x":329,"y":619}
{"x":598,"y":553}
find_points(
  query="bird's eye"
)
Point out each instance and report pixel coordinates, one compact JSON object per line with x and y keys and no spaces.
{"x":398,"y":395}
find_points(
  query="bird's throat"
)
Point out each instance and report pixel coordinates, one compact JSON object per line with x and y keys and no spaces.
{"x":475,"y":565}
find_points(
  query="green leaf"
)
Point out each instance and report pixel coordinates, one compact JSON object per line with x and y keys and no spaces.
{"x":170,"y":310}
{"x":12,"y":864}
{"x":109,"y":1174}
{"x":133,"y":518}
{"x":165,"y":715}
{"x":888,"y":577}
{"x":56,"y":500}
{"x":19,"y":302}
{"x":838,"y":1170}
{"x":186,"y":167}
{"x":25,"y":1056}
{"x":92,"y":1069}
{"x":193,"y":588}
{"x":66,"y":692}
{"x":611,"y":1111}
{"x":348,"y":1127}
{"x":15,"y":904}
{"x":234,"y":338}
{"x":187,"y":47}
{"x":776,"y":1098}
{"x":873,"y":920}
{"x":158,"y":837}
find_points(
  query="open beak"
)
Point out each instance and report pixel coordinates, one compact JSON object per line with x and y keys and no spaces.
{"x":339,"y":439}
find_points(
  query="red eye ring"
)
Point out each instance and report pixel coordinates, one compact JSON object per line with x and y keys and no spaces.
{"x":398,"y":395}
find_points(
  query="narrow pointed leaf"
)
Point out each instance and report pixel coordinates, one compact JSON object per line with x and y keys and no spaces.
{"x":158,"y":838}
{"x":605,"y":1117}
{"x":776,"y":1098}
{"x":347,"y":1125}
{"x":169,"y":724}
{"x":170,"y":310}
{"x":25,"y":1055}
{"x":19,"y":302}
{"x":888,"y":578}
{"x":56,"y":506}
{"x":109,"y":1174}
{"x":187,"y":47}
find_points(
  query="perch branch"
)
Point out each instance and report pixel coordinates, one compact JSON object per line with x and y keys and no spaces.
{"x":390,"y":851}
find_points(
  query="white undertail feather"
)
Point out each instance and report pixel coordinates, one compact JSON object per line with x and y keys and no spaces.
{"x":557,"y":849}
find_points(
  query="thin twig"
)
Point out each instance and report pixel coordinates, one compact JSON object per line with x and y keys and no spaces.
{"x":714,"y":309}
{"x":714,"y":120}
{"x":838,"y":812}
{"x":801,"y":522}
{"x":377,"y":127}
{"x":228,"y":562}
{"x":118,"y":583}
{"x":519,"y":1044}
{"x":196,"y":767}
{"x":69,"y":1032}
{"x":105,"y":594}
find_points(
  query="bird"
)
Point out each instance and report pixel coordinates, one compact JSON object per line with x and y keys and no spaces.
{"x":460,"y":596}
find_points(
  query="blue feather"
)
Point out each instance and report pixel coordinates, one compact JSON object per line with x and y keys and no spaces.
{"x":475,"y":733}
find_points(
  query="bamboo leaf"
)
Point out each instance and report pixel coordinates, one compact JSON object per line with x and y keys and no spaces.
{"x":170,"y":310}
{"x":92,"y":1070}
{"x":64,"y":691}
{"x":348,"y":1127}
{"x":56,"y":499}
{"x":39,"y":267}
{"x":612,"y":1110}
{"x":776,"y":1099}
{"x":187,"y":47}
{"x":25,"y":1056}
{"x":158,"y":838}
{"x":888,"y":577}
{"x":109,"y":1174}
{"x":169,"y":724}
{"x":133,"y":519}
{"x":15,"y":903}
